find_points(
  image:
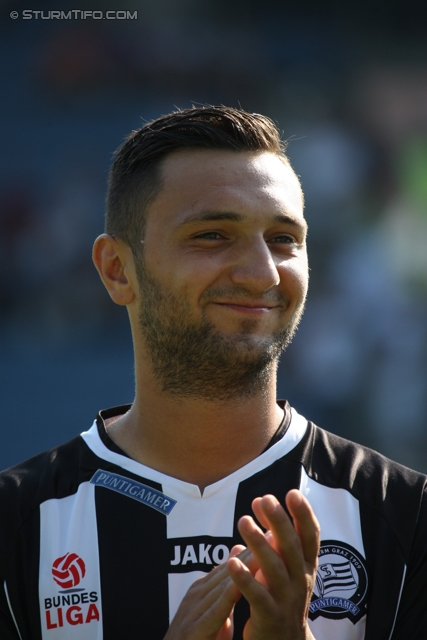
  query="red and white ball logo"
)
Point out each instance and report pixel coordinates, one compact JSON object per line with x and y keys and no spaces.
{"x":68,"y":570}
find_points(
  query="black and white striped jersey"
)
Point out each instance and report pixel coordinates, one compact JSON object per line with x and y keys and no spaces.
{"x":95,"y":546}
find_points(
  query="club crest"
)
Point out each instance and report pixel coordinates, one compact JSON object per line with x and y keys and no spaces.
{"x":341,"y":584}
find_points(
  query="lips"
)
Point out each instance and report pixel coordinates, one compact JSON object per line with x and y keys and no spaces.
{"x":246,"y":306}
{"x":255,"y":304}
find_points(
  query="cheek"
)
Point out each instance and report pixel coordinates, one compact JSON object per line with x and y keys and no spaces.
{"x":294,"y":278}
{"x":197,"y":271}
{"x":182,"y":276}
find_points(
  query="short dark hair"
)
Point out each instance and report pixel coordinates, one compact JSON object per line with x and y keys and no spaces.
{"x":135,"y":176}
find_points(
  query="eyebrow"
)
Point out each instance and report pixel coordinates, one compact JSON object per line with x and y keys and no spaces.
{"x":212,"y":216}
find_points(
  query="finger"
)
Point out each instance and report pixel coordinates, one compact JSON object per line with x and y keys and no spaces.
{"x":298,"y":544}
{"x":219,"y":606}
{"x":206,"y":589}
{"x":286,"y":539}
{"x":306,"y":525}
{"x":256,"y":506}
{"x":305,"y":522}
{"x":210,"y":586}
{"x":270,"y":618}
{"x":274,"y":572}
{"x":238,"y":548}
{"x":259,"y":514}
{"x":246,"y":556}
{"x":227,"y":629}
{"x":206,"y":607}
{"x":255,"y":593}
{"x":244,"y":579}
{"x":220,"y":572}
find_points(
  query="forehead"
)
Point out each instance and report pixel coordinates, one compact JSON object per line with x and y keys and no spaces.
{"x":217,"y":180}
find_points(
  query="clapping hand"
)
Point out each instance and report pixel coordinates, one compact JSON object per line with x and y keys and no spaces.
{"x":275,"y":573}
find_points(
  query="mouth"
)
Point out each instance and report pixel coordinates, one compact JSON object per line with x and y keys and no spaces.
{"x":251,"y":307}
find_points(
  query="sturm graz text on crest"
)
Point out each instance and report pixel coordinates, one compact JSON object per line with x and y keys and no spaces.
{"x":341,"y":584}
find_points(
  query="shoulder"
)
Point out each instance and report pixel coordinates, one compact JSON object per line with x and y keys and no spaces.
{"x":388,"y":495}
{"x":375,"y":511}
{"x":24,"y":487}
{"x":35,"y":475}
{"x":336,"y":461}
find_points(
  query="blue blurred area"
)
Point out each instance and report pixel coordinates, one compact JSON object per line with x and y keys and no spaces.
{"x":51,"y":397}
{"x":348,"y":87}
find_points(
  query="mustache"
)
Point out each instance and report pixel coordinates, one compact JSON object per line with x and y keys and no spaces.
{"x":238,"y":293}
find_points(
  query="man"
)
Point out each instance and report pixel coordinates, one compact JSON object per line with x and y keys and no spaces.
{"x":116,"y":534}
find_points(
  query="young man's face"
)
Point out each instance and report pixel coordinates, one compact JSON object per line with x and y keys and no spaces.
{"x":225,"y":264}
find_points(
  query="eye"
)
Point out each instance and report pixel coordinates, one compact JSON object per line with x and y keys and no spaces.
{"x":284,"y":238}
{"x":209,"y":235}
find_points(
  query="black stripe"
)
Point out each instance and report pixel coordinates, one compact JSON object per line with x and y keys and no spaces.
{"x":385,"y":562}
{"x":277,"y":479}
{"x":22,"y":579}
{"x":132,"y":549}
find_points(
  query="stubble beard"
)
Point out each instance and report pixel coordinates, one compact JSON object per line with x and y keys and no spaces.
{"x":191,"y":358}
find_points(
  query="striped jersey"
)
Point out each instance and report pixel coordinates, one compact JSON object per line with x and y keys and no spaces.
{"x":96,"y":546}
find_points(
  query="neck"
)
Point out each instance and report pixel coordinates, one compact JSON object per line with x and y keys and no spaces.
{"x":197,"y":440}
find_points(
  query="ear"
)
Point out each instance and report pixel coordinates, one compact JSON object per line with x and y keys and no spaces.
{"x":114,"y":262}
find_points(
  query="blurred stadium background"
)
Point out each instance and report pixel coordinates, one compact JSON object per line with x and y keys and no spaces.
{"x":347,"y":83}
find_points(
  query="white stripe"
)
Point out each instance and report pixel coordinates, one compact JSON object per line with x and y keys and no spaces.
{"x":68,"y":525}
{"x":398,"y":601}
{"x":179,"y":584}
{"x":11,"y":610}
{"x":337,"y":511}
{"x":193,"y":516}
{"x":338,"y":514}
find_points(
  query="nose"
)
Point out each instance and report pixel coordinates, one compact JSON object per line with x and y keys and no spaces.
{"x":254,"y":267}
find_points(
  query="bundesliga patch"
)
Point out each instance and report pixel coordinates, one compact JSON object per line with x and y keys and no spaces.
{"x":133,"y":489}
{"x":73,"y":606}
{"x":341,"y":584}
